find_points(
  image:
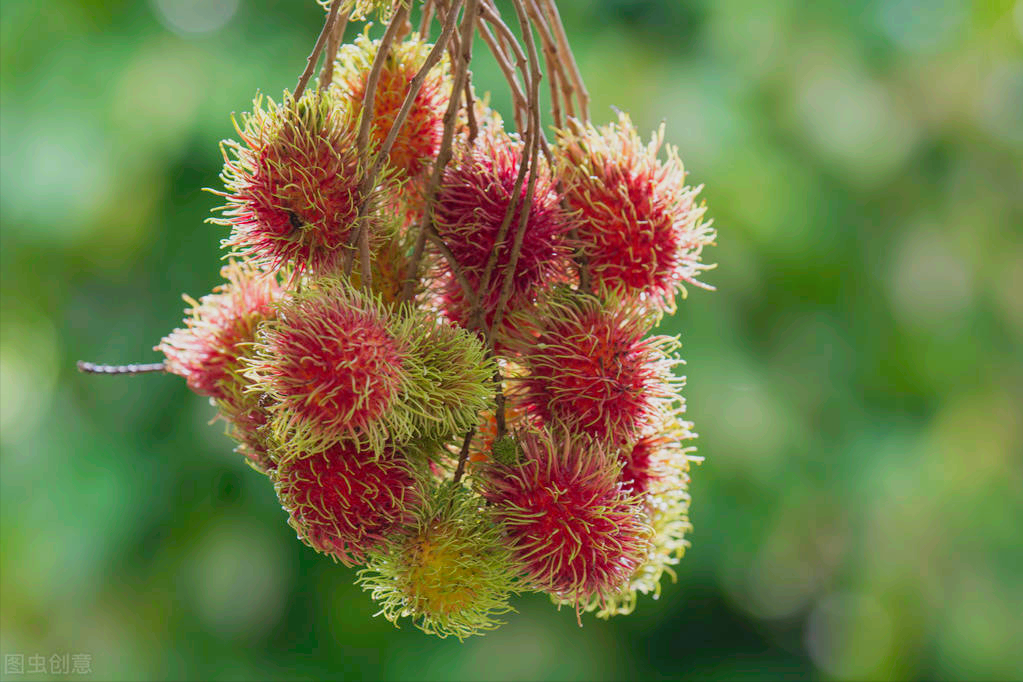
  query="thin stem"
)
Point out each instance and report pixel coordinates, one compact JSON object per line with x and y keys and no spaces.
{"x":93,"y":368}
{"x":463,"y":455}
{"x":333,"y":43}
{"x":533,"y":134}
{"x":413,"y":91}
{"x":554,"y":18}
{"x":425,"y":19}
{"x":373,"y":79}
{"x":314,"y":56}
{"x":445,"y":153}
{"x":504,"y":63}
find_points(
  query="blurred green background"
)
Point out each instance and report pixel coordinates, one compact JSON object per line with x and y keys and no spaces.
{"x":856,"y":380}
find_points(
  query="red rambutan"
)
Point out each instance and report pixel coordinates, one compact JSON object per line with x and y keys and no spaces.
{"x":592,"y":370}
{"x":639,"y":228}
{"x":294,"y":184}
{"x":344,"y":500}
{"x":218,"y":328}
{"x":331,"y":367}
{"x":419,"y":138}
{"x":476,"y":192}
{"x":577,"y":532}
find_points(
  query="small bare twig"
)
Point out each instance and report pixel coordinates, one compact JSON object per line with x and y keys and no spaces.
{"x":463,"y":455}
{"x":93,"y":368}
{"x":445,"y":153}
{"x":333,"y":43}
{"x":314,"y":56}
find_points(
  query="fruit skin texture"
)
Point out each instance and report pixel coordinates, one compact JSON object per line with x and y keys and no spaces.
{"x":475,"y":193}
{"x":590,"y":369}
{"x":656,"y":466}
{"x":218,"y":329}
{"x":294,"y":183}
{"x":344,"y":501}
{"x":450,"y":571}
{"x":640,"y":229}
{"x":578,"y":532}
{"x":339,"y":365}
{"x":418,"y":140}
{"x":333,"y":370}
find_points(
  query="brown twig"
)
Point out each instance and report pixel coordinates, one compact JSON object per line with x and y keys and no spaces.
{"x":314,"y":56}
{"x":93,"y":368}
{"x":554,"y":19}
{"x":445,"y":153}
{"x":373,"y":79}
{"x":333,"y":43}
{"x":425,"y":18}
{"x":533,"y":135}
{"x":463,"y":455}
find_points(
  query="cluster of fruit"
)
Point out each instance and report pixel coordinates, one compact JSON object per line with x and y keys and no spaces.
{"x":436,"y":342}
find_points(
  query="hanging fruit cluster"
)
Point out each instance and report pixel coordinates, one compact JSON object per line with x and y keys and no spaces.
{"x":434,"y":333}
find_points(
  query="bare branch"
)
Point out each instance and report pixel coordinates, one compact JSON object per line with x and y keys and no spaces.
{"x":314,"y":56}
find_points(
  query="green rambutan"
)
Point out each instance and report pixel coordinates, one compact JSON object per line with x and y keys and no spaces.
{"x":450,"y":571}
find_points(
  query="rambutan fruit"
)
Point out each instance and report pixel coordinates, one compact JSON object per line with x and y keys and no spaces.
{"x":339,"y":365}
{"x":477,"y":189}
{"x":419,"y":138}
{"x":219,"y":327}
{"x":450,"y":571}
{"x":246,"y":416}
{"x":591,"y":369}
{"x":657,"y":467}
{"x":578,"y":533}
{"x":640,"y":228}
{"x":333,"y":370}
{"x":294,"y":184}
{"x":344,"y":500}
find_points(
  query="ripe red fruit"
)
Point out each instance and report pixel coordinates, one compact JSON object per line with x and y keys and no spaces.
{"x":591,"y":369}
{"x":640,"y":228}
{"x":418,"y":140}
{"x":476,"y":192}
{"x":331,"y":367}
{"x":294,"y":184}
{"x":207,"y":349}
{"x":577,"y":532}
{"x":344,"y":500}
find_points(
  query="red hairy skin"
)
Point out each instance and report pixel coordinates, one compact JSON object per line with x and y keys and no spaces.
{"x":343,"y":501}
{"x":474,"y":197}
{"x":640,"y":228}
{"x":294,"y":184}
{"x":330,"y":365}
{"x":591,"y":370}
{"x":218,"y":328}
{"x":577,"y":532}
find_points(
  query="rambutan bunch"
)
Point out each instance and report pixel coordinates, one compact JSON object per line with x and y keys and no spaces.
{"x":295,"y":183}
{"x":640,"y":228}
{"x":438,"y":342}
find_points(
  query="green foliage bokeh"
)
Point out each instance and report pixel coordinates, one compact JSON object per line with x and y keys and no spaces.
{"x":856,"y":380}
